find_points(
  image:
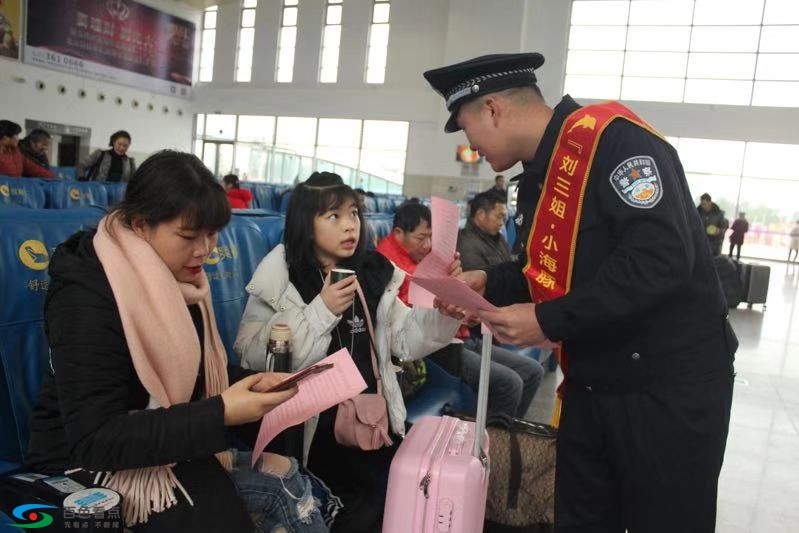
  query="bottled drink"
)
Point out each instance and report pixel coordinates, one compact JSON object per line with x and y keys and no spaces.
{"x":278,"y":359}
{"x":278,"y":350}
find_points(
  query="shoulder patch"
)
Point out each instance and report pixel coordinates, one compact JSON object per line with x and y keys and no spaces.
{"x":637,"y":182}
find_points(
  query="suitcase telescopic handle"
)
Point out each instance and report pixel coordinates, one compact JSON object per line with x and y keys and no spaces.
{"x":482,"y":395}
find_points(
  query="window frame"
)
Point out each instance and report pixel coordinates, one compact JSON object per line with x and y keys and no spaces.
{"x":623,"y":23}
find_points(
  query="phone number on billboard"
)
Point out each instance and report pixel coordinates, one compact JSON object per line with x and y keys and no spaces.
{"x":55,"y":59}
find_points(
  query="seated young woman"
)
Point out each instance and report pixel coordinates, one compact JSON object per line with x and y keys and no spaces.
{"x":292,"y":286}
{"x":138,"y":395}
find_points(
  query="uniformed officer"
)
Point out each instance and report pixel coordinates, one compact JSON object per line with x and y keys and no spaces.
{"x":615,"y":267}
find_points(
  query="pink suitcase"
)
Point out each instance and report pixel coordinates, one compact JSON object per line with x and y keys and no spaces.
{"x":439,"y":477}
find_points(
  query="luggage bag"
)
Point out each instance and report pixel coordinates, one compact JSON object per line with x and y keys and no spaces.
{"x":438,"y":479}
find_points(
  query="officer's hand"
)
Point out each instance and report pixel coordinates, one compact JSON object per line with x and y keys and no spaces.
{"x":515,"y":324}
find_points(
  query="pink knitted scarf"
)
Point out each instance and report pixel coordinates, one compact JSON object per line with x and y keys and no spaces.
{"x":164,"y":347}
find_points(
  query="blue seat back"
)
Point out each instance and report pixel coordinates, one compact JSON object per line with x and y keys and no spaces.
{"x":230,"y":267}
{"x":284,"y":202}
{"x":396,"y":201}
{"x":115,"y":192}
{"x":27,"y":240}
{"x":280,"y":189}
{"x":26,"y":192}
{"x":257,"y":212}
{"x":264,"y":196}
{"x":64,"y":195}
{"x":270,"y":223}
{"x":385,"y":205}
{"x":65,"y":173}
{"x":379,"y":226}
{"x":370,"y":204}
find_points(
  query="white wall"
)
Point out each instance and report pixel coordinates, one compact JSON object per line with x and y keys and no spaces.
{"x":151,"y":130}
{"x":424,"y":34}
{"x":427,"y":34}
{"x":416,"y":39}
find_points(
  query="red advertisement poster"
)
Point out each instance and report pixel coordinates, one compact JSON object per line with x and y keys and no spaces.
{"x":120,"y":41}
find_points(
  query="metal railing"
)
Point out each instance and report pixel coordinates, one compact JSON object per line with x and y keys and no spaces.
{"x":277,"y":165}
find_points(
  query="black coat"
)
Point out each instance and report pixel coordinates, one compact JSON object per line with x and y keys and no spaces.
{"x":645,"y":304}
{"x":83,"y":417}
{"x":714,"y":217}
{"x":479,"y":250}
{"x":27,"y":151}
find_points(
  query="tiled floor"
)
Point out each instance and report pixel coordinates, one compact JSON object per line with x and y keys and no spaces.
{"x":759,"y":484}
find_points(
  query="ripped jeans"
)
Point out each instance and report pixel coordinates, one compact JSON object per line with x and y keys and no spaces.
{"x":299,"y":502}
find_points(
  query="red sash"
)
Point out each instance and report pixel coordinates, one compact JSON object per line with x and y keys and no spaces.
{"x":553,"y":236}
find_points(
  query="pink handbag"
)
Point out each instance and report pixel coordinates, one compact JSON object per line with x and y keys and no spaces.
{"x":362,"y":421}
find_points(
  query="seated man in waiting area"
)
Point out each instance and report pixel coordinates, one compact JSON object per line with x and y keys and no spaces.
{"x":12,"y":161}
{"x":514,"y":378}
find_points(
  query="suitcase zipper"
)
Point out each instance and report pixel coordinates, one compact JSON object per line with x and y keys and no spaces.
{"x":424,"y":484}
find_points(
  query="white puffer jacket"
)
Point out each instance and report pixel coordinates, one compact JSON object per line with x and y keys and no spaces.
{"x":407,"y":333}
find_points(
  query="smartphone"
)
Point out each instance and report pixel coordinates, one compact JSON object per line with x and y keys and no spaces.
{"x":299,"y":376}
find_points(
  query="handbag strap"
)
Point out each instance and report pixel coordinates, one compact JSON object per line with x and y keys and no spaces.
{"x":372,"y":347}
{"x":534,"y":428}
{"x":515,"y":481}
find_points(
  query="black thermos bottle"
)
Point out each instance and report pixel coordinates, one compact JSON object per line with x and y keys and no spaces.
{"x":278,"y":359}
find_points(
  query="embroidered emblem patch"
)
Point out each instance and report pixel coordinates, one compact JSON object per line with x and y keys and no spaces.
{"x":637,"y":182}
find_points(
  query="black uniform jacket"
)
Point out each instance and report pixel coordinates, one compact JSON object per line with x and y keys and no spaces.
{"x":645,"y":303}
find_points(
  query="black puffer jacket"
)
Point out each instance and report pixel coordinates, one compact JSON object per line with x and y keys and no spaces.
{"x":714,"y":222}
{"x":91,"y":412}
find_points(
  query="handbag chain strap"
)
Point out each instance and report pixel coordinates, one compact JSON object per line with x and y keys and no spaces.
{"x":372,"y":348}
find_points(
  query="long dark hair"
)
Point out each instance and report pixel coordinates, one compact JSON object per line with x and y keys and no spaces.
{"x":320,"y":193}
{"x":170,"y":184}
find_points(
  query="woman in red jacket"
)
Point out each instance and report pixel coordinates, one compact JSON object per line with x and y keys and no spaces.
{"x":12,"y":163}
{"x":238,"y":198}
